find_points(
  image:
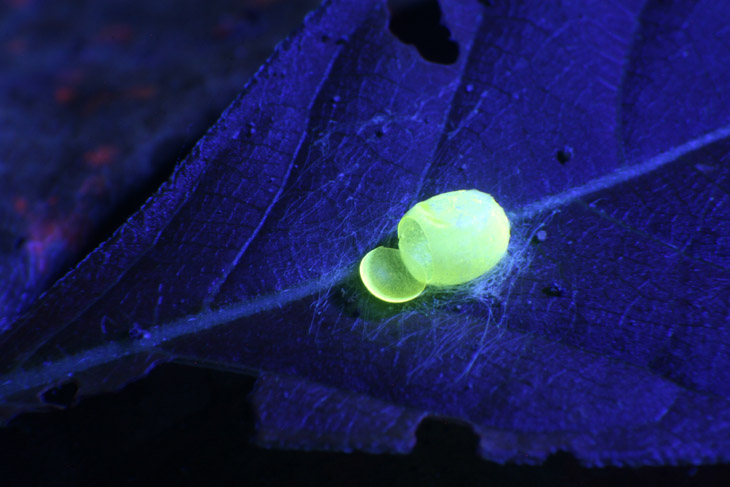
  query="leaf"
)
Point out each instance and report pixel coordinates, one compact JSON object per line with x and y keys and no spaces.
{"x":603,"y":131}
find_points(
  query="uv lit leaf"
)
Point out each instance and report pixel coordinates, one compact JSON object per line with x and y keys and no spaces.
{"x":601,"y":126}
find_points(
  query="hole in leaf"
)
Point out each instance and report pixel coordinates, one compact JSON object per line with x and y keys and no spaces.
{"x":554,"y":290}
{"x":565,"y":154}
{"x":418,"y":23}
{"x":63,"y":395}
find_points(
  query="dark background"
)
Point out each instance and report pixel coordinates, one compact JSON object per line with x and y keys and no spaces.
{"x":187,"y":425}
{"x":162,"y":75}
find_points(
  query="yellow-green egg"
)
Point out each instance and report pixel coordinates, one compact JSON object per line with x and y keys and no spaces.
{"x":448,"y":239}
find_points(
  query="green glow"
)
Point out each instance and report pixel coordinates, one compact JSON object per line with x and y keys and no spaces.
{"x":449,"y":239}
{"x":386,"y":277}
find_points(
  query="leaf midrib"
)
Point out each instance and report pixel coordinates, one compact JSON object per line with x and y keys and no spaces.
{"x":18,"y":381}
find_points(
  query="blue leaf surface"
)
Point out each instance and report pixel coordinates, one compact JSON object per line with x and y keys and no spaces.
{"x":602,"y":129}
